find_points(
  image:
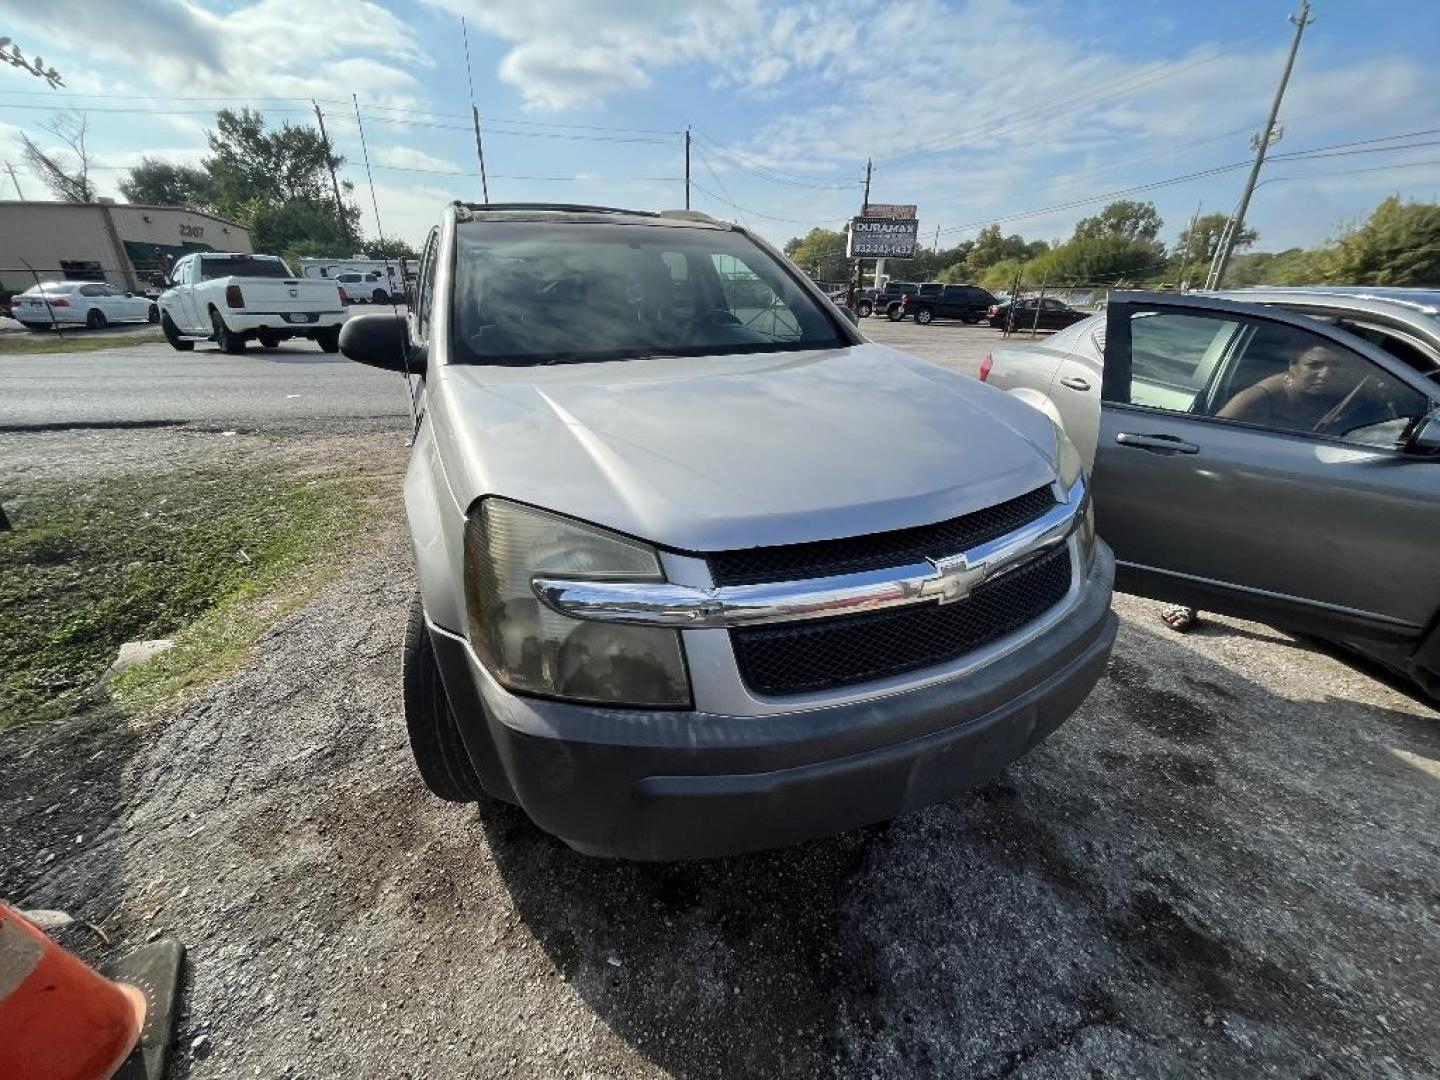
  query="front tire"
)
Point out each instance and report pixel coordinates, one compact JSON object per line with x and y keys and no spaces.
{"x":434,"y":735}
{"x":96,"y":320}
{"x":172,"y":335}
{"x":924,"y":316}
{"x":229,"y":342}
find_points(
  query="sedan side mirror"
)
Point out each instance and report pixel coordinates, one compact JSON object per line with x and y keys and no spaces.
{"x":382,"y":341}
{"x":1425,"y":439}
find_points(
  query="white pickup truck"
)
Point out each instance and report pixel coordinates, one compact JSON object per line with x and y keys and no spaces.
{"x":231,"y":299}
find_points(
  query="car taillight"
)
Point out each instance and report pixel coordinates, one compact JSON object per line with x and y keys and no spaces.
{"x":985,"y":367}
{"x":994,"y":310}
{"x":234,"y":297}
{"x":59,"y":301}
{"x":344,"y":296}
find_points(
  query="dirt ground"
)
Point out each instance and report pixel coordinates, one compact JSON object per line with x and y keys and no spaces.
{"x":1225,"y":864}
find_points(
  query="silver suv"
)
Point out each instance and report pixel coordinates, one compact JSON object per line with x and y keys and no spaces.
{"x":702,"y":570}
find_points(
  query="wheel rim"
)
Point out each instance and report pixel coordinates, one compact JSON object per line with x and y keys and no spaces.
{"x":922,"y":317}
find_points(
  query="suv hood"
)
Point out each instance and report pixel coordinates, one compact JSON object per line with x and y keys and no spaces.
{"x":719,"y":452}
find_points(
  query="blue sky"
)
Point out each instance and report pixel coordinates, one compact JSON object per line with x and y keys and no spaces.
{"x":1029,"y":112}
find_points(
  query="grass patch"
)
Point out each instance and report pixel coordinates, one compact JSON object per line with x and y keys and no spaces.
{"x":209,"y":558}
{"x":13,"y":345}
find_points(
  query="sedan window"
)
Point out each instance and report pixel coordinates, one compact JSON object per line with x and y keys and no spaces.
{"x":1272,"y":375}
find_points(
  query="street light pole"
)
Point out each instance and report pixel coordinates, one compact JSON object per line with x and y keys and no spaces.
{"x":1237,"y":220}
{"x":858,"y":278}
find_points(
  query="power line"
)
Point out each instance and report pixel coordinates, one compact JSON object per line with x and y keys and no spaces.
{"x":1298,"y":155}
{"x":1017,"y":121}
{"x":753,"y":165}
{"x":367,"y":111}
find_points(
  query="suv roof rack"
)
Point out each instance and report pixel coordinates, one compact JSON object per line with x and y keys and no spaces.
{"x":572,"y":208}
{"x":470,"y":208}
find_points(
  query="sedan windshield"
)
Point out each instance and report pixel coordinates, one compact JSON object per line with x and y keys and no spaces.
{"x":538,"y":293}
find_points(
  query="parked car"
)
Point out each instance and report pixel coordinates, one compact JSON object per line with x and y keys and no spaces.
{"x":1054,"y":314}
{"x":234,"y":298}
{"x":93,"y":304}
{"x":968,"y":303}
{"x":369,"y":288}
{"x":1271,"y":454}
{"x":888,"y":299}
{"x":698,"y":576}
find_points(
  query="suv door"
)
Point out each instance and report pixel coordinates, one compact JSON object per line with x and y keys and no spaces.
{"x":1230,"y":476}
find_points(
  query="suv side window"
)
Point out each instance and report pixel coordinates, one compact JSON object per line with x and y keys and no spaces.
{"x":1267,"y":374}
{"x":752,"y":301}
{"x":425,"y":286}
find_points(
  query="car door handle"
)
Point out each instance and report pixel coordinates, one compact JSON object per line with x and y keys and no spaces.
{"x":1157,"y":444}
{"x":1074,"y":382}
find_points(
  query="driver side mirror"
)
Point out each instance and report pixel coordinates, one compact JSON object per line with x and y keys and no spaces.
{"x":1425,"y":439}
{"x":382,"y":341}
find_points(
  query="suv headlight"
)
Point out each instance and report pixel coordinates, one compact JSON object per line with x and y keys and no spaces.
{"x":1071,"y":467}
{"x":533,"y":649}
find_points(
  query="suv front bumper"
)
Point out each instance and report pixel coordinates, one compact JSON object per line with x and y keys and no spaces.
{"x":650,"y":784}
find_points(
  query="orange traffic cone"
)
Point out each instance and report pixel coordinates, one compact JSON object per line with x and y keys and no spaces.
{"x":60,"y":1019}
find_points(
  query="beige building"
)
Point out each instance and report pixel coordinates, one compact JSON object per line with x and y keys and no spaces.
{"x":121,"y":243}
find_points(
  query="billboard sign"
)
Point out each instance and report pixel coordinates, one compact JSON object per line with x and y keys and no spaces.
{"x":893,"y":211}
{"x":881,"y":238}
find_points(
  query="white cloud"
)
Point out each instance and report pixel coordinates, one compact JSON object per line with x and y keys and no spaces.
{"x":407,"y":157}
{"x":292,"y":48}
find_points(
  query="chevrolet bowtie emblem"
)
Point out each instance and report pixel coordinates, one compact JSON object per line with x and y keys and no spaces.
{"x":954,"y":579}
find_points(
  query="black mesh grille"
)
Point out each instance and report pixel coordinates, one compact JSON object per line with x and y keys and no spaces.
{"x":902,"y":547}
{"x":825,"y":653}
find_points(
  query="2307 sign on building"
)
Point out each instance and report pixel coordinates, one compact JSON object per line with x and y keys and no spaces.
{"x":881,"y":238}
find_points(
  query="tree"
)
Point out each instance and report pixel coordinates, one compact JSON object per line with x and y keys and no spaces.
{"x":1125,"y":218}
{"x":820,"y":253}
{"x":65,"y":173}
{"x":1198,"y":242}
{"x":1398,"y":245}
{"x":389,"y":248}
{"x":162,"y":183}
{"x":1095,"y":259}
{"x":10,"y":53}
{"x":277,"y":184}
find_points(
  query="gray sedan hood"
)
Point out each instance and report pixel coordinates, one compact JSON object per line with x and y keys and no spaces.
{"x":718,"y":452}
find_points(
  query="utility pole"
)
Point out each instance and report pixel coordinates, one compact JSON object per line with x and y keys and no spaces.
{"x":475,"y":116}
{"x":1237,"y":220}
{"x":1189,"y":246}
{"x":687,"y":166}
{"x":858,"y":278}
{"x":330,"y":161}
{"x":11,"y":170}
{"x":936,"y":245}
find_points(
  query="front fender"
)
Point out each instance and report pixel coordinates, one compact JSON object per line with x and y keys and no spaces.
{"x":437,"y":533}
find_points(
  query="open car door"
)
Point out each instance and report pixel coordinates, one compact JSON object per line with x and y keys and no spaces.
{"x":1268,"y":465}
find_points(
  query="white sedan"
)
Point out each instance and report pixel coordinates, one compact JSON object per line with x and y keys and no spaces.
{"x":89,"y":303}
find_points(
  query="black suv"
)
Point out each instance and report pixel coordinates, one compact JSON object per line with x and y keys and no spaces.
{"x":887,"y":298}
{"x":968,"y":303}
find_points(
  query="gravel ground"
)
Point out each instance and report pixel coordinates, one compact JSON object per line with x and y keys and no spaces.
{"x":1225,"y":864}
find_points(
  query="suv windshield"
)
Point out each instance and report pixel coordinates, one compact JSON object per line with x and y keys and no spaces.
{"x":535,"y":293}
